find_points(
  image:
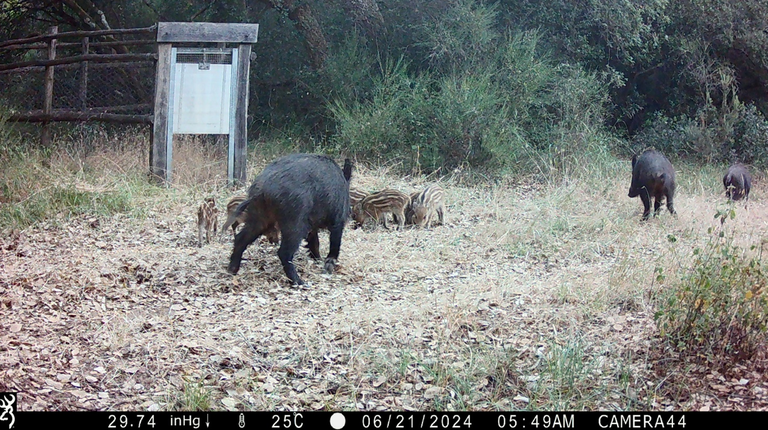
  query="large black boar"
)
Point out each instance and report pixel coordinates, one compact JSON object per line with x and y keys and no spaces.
{"x":653,"y":176}
{"x":300,"y":193}
{"x":737,"y":182}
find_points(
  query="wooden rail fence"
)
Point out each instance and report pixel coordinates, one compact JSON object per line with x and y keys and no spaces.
{"x":91,"y":56}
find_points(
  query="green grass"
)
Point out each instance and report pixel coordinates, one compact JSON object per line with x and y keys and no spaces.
{"x":59,"y":201}
{"x":30,"y":194}
{"x":69,"y":180}
{"x":194,"y":396}
{"x":565,"y":366}
{"x":700,"y":179}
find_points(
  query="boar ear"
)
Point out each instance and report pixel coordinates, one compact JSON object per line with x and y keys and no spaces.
{"x":634,"y":161}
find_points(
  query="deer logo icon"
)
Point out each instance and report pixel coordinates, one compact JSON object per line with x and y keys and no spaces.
{"x":7,"y":407}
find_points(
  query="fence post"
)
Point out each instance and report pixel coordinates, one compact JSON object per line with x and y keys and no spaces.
{"x":241,"y":114}
{"x":158,"y":152}
{"x":45,"y":133}
{"x":84,"y":77}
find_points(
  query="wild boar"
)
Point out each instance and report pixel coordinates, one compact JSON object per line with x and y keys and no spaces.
{"x":653,"y":176}
{"x":427,"y":205}
{"x":206,"y":220}
{"x":377,"y":205}
{"x":273,"y":235}
{"x":737,"y":182}
{"x":300,"y":193}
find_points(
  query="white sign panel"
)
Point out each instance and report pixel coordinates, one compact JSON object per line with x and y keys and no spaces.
{"x":201,"y":98}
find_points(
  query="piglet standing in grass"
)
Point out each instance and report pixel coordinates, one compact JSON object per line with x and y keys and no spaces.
{"x":206,"y":220}
{"x":377,"y":205}
{"x":428,"y":206}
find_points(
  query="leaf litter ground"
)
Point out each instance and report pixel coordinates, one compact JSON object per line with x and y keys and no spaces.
{"x":518,"y":302}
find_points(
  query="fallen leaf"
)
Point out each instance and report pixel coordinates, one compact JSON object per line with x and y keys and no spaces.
{"x":230,"y":403}
{"x":79,"y":393}
{"x":432,"y":392}
{"x":54,"y":384}
{"x":379,"y":381}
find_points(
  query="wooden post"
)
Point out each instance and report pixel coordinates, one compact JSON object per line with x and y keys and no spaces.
{"x":158,"y":154}
{"x":84,"y":77}
{"x":45,"y":133}
{"x":241,"y":115}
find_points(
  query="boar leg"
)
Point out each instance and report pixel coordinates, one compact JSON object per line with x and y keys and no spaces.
{"x":670,"y":206}
{"x":646,"y":204}
{"x":246,"y":237}
{"x":657,"y":205}
{"x":313,"y":244}
{"x":335,"y":247}
{"x":288,"y":245}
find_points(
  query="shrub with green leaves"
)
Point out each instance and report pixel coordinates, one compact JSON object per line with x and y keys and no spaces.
{"x":509,"y":107}
{"x":719,"y":310}
{"x":740,"y":134}
{"x":391,"y":120}
{"x":668,"y":135}
{"x":463,"y":33}
{"x":750,"y":140}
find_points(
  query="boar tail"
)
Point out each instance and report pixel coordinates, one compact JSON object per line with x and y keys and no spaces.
{"x":347,"y":169}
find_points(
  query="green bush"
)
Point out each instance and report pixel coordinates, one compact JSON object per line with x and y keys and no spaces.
{"x":719,"y":310}
{"x":668,"y":135}
{"x":511,"y":110}
{"x":722,"y":129}
{"x":347,"y":74}
{"x":391,"y":121}
{"x":741,"y":135}
{"x":750,"y":140}
{"x":428,"y":122}
{"x":470,"y":122}
{"x":459,"y":36}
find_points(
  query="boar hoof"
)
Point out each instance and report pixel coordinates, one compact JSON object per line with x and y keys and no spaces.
{"x":330,"y":265}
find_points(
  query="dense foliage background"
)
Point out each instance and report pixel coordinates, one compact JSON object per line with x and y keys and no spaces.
{"x":515,"y":86}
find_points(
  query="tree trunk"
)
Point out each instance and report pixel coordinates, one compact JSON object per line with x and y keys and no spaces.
{"x":314,"y":38}
{"x":366,"y":15}
{"x":307,"y":25}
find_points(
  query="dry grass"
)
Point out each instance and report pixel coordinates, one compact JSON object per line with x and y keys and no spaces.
{"x":530,"y":297}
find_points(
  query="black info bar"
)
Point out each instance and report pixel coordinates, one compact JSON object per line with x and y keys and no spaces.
{"x":383,"y":420}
